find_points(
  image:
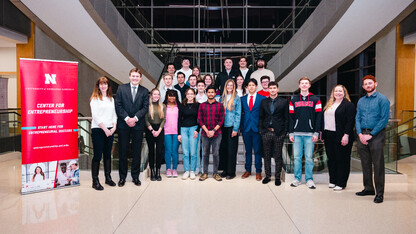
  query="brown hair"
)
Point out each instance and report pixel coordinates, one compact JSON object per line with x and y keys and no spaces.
{"x":41,"y":173}
{"x":96,"y":93}
{"x":305,"y":78}
{"x":185,"y":100}
{"x":135,"y":70}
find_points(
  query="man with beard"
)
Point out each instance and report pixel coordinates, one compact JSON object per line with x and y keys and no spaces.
{"x":370,"y":122}
{"x":261,"y":71}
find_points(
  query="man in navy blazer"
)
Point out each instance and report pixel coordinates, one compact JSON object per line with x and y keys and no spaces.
{"x":250,"y":110}
{"x":131,"y":103}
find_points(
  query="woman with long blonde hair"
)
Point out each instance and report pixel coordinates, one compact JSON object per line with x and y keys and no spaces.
{"x":155,"y":121}
{"x":103,"y":126}
{"x":338,"y":135}
{"x":229,"y":141}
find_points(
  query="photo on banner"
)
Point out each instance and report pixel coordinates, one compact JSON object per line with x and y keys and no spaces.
{"x":49,"y":97}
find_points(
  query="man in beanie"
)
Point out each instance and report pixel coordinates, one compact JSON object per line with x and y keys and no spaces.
{"x":370,"y":122}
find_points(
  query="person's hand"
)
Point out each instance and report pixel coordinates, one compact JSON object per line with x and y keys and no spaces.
{"x":195,"y":134}
{"x":107,"y":132}
{"x":156,"y":133}
{"x":314,"y":138}
{"x":368,"y":137}
{"x":180,"y":138}
{"x":233,"y":134}
{"x":292,"y":139}
{"x":363,"y":139}
{"x":131,"y":122}
{"x":211,"y":133}
{"x":344,"y":140}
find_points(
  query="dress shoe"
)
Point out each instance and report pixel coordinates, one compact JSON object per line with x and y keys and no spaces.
{"x":152,"y":174}
{"x":96,"y":184}
{"x":266,"y":180}
{"x":223,"y":174}
{"x":110,"y":182}
{"x":277,"y":182}
{"x":121,"y":182}
{"x":230,"y":177}
{"x":378,"y":199}
{"x":246,"y":174}
{"x":258,"y":176}
{"x":365,"y":193}
{"x":158,"y":177}
{"x":137,"y":182}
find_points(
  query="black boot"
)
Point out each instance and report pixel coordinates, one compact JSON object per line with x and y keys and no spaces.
{"x":94,"y":172}
{"x":152,"y":174}
{"x":107,"y":171}
{"x":158,"y":177}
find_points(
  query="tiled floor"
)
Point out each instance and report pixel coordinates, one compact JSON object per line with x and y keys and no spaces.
{"x":177,"y":206}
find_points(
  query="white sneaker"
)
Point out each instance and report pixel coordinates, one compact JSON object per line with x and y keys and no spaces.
{"x":338,"y":188}
{"x":295,"y":183}
{"x":331,"y":185}
{"x":185,"y":175}
{"x":310,"y":184}
{"x":192,"y":175}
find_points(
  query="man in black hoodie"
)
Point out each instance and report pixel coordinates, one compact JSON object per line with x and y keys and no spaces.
{"x":304,"y":125}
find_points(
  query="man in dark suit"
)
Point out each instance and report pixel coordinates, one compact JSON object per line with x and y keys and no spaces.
{"x":273,"y":126}
{"x":250,"y":110}
{"x":131,"y":103}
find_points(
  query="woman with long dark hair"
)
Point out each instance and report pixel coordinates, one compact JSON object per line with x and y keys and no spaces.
{"x":171,"y":132}
{"x":155,"y":121}
{"x":338,"y":135}
{"x":188,"y":132}
{"x":38,"y":175}
{"x":103,"y":126}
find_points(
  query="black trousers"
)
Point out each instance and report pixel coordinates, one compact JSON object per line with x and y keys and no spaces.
{"x":272,"y":147}
{"x":124,"y":136}
{"x":339,"y":159}
{"x":373,"y":155}
{"x":228,"y":151}
{"x":102,"y":144}
{"x":155,"y":160}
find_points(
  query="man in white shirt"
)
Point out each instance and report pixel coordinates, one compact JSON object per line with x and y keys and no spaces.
{"x":186,"y":69}
{"x":261,"y":71}
{"x":244,"y":70}
{"x":168,"y":85}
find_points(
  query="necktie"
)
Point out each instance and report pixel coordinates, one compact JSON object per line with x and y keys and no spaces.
{"x":134,"y":92}
{"x":250,"y":103}
{"x":272,"y":106}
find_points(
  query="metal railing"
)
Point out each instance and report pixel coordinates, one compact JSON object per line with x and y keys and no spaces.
{"x":10,"y":130}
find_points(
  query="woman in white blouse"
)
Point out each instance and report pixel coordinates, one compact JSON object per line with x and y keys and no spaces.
{"x":104,"y":120}
{"x":339,"y":116}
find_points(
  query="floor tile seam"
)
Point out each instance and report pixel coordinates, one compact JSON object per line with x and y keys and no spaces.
{"x":127,"y":214}
{"x":281,"y":205}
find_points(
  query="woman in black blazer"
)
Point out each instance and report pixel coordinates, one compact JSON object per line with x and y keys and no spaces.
{"x":339,"y":116}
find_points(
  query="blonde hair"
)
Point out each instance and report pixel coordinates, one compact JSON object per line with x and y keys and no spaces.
{"x":96,"y":93}
{"x":332,"y":98}
{"x":159,"y":105}
{"x":229,"y":104}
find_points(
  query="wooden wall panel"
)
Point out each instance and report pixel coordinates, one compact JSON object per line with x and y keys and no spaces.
{"x":405,"y":75}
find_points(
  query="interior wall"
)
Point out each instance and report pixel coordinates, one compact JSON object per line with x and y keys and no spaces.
{"x":47,"y":48}
{"x":386,"y":67}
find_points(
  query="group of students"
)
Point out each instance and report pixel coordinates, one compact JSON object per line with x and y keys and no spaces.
{"x":210,"y":114}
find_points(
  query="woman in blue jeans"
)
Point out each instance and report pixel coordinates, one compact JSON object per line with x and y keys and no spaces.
{"x":171,"y":132}
{"x":188,"y":132}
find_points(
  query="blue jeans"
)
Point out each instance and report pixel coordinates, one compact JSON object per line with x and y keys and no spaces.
{"x":252,"y":140}
{"x":189,"y":147}
{"x":199,"y":159}
{"x":303,"y":143}
{"x":171,"y":150}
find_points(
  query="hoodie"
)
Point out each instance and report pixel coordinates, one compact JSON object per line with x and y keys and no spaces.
{"x":305,"y":115}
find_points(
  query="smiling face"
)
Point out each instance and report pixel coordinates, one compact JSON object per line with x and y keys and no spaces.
{"x":228,"y":63}
{"x":240,"y":81}
{"x":186,"y":63}
{"x":273,"y":90}
{"x":135,"y":78}
{"x":103,"y":87}
{"x":369,"y":85}
{"x":242,"y":63}
{"x":201,"y":87}
{"x":171,"y":69}
{"x":252,"y":88}
{"x":211,"y":94}
{"x":168,"y":80}
{"x":265,"y":84}
{"x":190,"y":95}
{"x":260,"y":63}
{"x":155,"y":96}
{"x":195,"y":71}
{"x":180,"y":78}
{"x":192,"y":81}
{"x":304,"y":85}
{"x":339,"y":93}
{"x":171,"y":99}
{"x":38,"y":170}
{"x":208,"y":81}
